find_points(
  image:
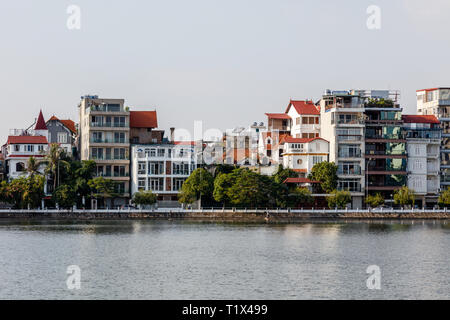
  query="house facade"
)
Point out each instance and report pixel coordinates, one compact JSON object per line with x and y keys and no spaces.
{"x":62,"y":132}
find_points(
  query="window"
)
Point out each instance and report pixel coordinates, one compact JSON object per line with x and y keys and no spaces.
{"x":178,"y":183}
{"x":40,"y":148}
{"x":17,"y":147}
{"x":161,"y":152}
{"x":30,"y":148}
{"x":317,"y":159}
{"x":119,"y":137}
{"x":141,"y":184}
{"x":141,"y":168}
{"x":180,"y":168}
{"x":155,"y":167}
{"x":119,"y":171}
{"x":62,"y":137}
{"x":299,"y":161}
{"x":119,"y":154}
{"x":97,"y":153}
{"x":20,"y":167}
{"x":152,"y":152}
{"x":120,"y":187}
{"x":156,"y":184}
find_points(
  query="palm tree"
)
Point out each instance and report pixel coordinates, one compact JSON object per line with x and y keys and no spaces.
{"x":53,"y":161}
{"x":33,"y":166}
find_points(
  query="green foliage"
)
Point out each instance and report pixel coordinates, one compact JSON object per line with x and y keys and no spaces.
{"x":375,"y":200}
{"x":444,"y":198}
{"x":101,"y":187}
{"x":299,"y":196}
{"x":222,"y":184}
{"x":339,"y":199}
{"x":379,"y":103}
{"x":282,"y":174}
{"x":200,"y":184}
{"x":404,"y":196}
{"x":326,"y":174}
{"x":144,"y":198}
{"x":33,"y":166}
{"x":23,"y":192}
{"x":55,"y":163}
{"x":65,"y":196}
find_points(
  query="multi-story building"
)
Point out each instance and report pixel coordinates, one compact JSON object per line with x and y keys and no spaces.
{"x":423,"y":139}
{"x":162,"y":168}
{"x":301,"y":154}
{"x":62,"y":132}
{"x":24,"y":144}
{"x":342,"y":124}
{"x":105,"y":138}
{"x":241,"y":145}
{"x":436,"y":101}
{"x":143,"y":126}
{"x":305,"y":119}
{"x":385,"y":143}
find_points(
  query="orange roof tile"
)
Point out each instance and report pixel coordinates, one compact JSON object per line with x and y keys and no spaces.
{"x":419,"y":118}
{"x":280,"y":116}
{"x":143,"y":119}
{"x":27,"y":140}
{"x":303,"y":107}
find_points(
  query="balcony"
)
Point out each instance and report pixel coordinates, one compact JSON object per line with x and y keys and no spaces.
{"x":106,"y":141}
{"x":350,"y":138}
{"x":109,"y":158}
{"x":355,"y":171}
{"x":385,"y":136}
{"x":113,"y":175}
{"x":109,"y":125}
{"x":345,"y":154}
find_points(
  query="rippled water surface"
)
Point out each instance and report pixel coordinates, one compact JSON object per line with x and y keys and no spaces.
{"x":179,"y":260}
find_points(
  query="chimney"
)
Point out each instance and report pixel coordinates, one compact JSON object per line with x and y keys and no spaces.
{"x":172,"y":136}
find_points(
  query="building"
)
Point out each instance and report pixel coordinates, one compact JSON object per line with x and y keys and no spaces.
{"x":105,"y":138}
{"x":143,"y":126}
{"x":301,"y":154}
{"x":241,"y":145}
{"x":305,"y":119}
{"x":436,"y":101}
{"x":162,"y":168}
{"x":342,"y":124}
{"x":423,"y":139}
{"x":62,"y":132}
{"x":385,"y":143}
{"x":22,"y":145}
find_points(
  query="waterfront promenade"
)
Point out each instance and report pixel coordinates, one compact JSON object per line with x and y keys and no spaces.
{"x":230,"y":214}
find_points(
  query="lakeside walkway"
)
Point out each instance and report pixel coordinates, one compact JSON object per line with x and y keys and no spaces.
{"x":232,"y":215}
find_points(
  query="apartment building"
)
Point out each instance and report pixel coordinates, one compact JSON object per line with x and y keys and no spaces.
{"x":385,"y":143}
{"x":62,"y":132}
{"x":423,"y":139}
{"x":241,"y":144}
{"x":436,"y":101}
{"x":162,"y":168}
{"x":342,"y":124}
{"x":105,"y":138}
{"x":301,"y":154}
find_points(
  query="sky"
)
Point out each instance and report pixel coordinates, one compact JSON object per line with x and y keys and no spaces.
{"x":225,"y":63}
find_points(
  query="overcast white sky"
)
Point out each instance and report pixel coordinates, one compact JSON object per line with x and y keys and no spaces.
{"x":225,"y":62}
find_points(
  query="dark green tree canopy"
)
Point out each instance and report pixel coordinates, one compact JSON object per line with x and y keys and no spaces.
{"x":326,"y":174}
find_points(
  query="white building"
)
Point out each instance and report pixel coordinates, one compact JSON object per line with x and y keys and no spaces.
{"x":24,"y":144}
{"x":305,"y":119}
{"x":423,"y":139}
{"x":162,"y":168}
{"x":301,"y":154}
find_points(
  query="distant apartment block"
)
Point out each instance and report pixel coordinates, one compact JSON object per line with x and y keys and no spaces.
{"x":105,"y":138}
{"x":423,"y":139}
{"x":436,"y":101}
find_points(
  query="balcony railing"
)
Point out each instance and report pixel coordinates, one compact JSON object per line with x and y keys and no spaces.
{"x":344,"y":154}
{"x":109,"y":158}
{"x":109,"y":124}
{"x":355,"y":171}
{"x":92,"y":140}
{"x":386,"y":152}
{"x":387,"y":168}
{"x":350,"y":138}
{"x":385,"y":136}
{"x":115,"y":175}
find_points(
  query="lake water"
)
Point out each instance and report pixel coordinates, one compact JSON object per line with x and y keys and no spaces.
{"x":181,"y":260}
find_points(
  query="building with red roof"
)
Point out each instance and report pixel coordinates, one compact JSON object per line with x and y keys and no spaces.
{"x":305,"y":117}
{"x":143,"y":126}
{"x":62,"y":132}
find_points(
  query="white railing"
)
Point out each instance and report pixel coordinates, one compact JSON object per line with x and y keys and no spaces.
{"x":225,"y":210}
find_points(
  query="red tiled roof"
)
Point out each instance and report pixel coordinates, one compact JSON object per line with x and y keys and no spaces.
{"x":25,"y":156}
{"x":432,"y":89}
{"x":414,"y":118}
{"x":40,"y":124}
{"x":303,"y":107}
{"x":27,"y":140}
{"x":281,"y":116}
{"x":69,"y":124}
{"x":299,"y":180}
{"x":302,"y":140}
{"x":143,"y":119}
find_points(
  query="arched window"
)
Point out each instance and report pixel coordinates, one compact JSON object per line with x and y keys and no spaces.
{"x":20,"y":167}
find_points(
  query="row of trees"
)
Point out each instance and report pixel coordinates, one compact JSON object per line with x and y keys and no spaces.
{"x":241,"y":187}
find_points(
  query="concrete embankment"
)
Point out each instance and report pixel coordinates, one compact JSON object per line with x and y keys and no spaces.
{"x":255,"y":216}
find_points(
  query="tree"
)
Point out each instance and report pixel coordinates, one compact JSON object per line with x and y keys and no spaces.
{"x":65,"y":196}
{"x":33,"y":166}
{"x":299,"y":195}
{"x":23,"y":192}
{"x":222,"y":183}
{"x":102,"y":188}
{"x":144,"y":198}
{"x":200,"y":184}
{"x":375,"y":200}
{"x":53,"y":159}
{"x":444,"y":198}
{"x":404,"y":196}
{"x":339,"y":199}
{"x":326,"y":174}
{"x":282,"y":174}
